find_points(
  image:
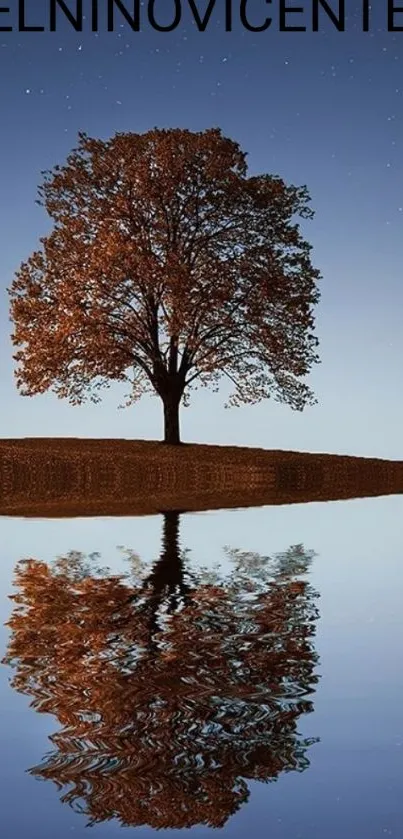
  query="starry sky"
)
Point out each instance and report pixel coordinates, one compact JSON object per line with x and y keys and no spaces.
{"x":322,"y":108}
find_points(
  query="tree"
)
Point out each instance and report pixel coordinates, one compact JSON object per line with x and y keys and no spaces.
{"x":167,"y":267}
{"x":172,"y":688}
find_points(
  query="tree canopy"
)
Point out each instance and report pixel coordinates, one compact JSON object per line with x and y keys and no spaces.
{"x":171,"y":688}
{"x":168,"y":266}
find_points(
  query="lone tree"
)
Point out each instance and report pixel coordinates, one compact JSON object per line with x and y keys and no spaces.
{"x":167,"y":267}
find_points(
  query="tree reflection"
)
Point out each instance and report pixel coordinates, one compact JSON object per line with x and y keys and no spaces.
{"x":172,"y":689}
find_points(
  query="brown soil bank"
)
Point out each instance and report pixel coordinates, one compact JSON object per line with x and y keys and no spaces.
{"x":57,"y":477}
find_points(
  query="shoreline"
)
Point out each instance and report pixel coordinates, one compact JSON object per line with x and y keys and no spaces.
{"x":60,"y":477}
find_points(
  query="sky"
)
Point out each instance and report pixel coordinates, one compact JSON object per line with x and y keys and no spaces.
{"x":322,"y":108}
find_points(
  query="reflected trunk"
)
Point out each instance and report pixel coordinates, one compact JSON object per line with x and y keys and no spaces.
{"x":167,"y":583}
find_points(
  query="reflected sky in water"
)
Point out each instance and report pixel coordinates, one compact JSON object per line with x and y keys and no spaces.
{"x":352,"y":785}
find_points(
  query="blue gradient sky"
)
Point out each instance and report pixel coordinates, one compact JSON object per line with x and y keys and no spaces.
{"x":325,"y":109}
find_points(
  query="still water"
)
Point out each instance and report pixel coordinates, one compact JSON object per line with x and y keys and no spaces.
{"x":240,"y":670}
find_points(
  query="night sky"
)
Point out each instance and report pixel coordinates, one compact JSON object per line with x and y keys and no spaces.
{"x":322,"y":108}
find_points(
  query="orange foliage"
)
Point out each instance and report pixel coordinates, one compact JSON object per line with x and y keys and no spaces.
{"x":168,"y":266}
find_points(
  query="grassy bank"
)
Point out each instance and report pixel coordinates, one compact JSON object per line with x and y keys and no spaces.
{"x":75,"y":476}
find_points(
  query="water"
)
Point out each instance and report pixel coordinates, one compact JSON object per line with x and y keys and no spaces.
{"x":246,"y":672}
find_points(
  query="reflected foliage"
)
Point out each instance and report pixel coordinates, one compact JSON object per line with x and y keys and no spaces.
{"x":172,"y":688}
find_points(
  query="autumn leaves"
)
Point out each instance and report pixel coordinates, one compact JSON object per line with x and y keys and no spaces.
{"x":167,"y":267}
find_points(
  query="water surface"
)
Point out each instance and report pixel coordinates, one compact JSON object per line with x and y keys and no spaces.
{"x":238,"y":669}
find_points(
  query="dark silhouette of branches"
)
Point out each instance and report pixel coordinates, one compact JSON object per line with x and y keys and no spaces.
{"x":167,"y":267}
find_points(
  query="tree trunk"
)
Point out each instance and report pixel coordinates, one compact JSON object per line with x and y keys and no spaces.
{"x":171,"y":418}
